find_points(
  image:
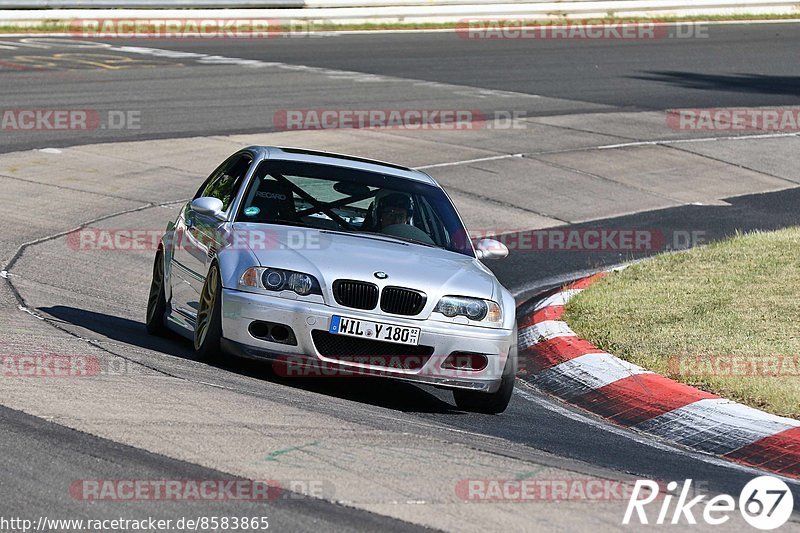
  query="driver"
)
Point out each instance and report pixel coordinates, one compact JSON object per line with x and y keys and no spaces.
{"x":394,"y":208}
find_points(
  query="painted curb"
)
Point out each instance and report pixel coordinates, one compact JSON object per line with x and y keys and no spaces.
{"x":581,"y":374}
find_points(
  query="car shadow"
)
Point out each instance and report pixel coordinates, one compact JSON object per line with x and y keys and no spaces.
{"x":381,"y":392}
{"x":740,"y":83}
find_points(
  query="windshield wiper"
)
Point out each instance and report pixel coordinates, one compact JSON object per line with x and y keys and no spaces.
{"x":366,"y":235}
{"x":280,"y":222}
{"x":404,"y":239}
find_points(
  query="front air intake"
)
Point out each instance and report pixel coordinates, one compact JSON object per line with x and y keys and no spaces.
{"x":355,"y":294}
{"x":400,"y":301}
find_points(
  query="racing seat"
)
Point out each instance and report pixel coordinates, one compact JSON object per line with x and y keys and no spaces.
{"x":275,"y":200}
{"x":369,"y":223}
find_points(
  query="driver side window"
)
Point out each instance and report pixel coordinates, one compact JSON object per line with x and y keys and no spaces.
{"x":224,"y":184}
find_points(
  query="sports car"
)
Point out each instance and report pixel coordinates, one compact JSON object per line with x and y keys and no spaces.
{"x":314,"y":260}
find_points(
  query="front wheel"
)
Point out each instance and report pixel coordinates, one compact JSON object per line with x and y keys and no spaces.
{"x":157,"y":301}
{"x":208,"y":327}
{"x":494,"y":402}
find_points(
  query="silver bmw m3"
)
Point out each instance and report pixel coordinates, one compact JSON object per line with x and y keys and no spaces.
{"x":314,"y":260}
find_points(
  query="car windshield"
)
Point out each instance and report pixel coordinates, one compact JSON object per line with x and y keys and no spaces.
{"x":348,"y":200}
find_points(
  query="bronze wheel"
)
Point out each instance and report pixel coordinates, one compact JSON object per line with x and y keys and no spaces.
{"x":156,"y":300}
{"x":208,"y":328}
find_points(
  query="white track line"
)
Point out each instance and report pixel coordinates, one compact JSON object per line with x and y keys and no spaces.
{"x":700,"y":140}
{"x":468,"y":161}
{"x":361,"y":77}
{"x":209,"y":59}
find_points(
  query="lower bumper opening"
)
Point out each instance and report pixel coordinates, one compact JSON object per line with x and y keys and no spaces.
{"x":466,"y":361}
{"x":272,"y":332}
{"x":371,"y":352}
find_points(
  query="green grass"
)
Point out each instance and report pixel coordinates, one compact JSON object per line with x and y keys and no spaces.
{"x":736,"y":301}
{"x":64,"y":26}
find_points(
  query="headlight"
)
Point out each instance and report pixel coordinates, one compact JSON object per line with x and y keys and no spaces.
{"x":276,"y":279}
{"x":472,"y":308}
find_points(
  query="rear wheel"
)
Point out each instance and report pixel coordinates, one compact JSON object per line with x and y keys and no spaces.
{"x":494,"y":402}
{"x":156,"y":301}
{"x":208,"y":328}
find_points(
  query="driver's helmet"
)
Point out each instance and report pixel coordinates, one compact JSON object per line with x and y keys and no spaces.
{"x":392,"y":200}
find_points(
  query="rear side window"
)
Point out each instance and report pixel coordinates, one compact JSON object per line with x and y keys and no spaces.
{"x":224,"y":184}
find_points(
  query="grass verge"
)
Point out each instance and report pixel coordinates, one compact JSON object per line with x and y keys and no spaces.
{"x":724,"y":318}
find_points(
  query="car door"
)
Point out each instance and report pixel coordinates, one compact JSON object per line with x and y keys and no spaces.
{"x":198,"y":237}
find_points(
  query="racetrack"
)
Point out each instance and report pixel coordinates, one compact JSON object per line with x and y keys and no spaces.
{"x":735,"y":65}
{"x":392,"y":449}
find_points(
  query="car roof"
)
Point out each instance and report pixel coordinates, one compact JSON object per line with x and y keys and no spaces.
{"x":340,"y":160}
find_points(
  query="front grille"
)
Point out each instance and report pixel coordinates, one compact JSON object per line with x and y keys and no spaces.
{"x":400,"y":301}
{"x":354,"y":350}
{"x":355,"y":294}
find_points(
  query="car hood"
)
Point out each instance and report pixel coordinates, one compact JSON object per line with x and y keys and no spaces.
{"x":331,"y":255}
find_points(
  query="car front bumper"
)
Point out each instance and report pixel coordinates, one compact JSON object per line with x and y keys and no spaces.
{"x":240,"y":309}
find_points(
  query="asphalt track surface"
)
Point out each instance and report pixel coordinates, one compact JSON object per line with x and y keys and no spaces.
{"x":736,"y":66}
{"x":30,"y":440}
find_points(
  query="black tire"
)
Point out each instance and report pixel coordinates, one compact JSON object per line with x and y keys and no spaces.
{"x":208,"y":327}
{"x":493,"y":402}
{"x":156,"y":300}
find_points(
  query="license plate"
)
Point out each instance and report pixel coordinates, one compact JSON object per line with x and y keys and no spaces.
{"x":353,"y":327}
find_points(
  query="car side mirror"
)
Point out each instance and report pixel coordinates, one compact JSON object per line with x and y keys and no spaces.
{"x":208,"y":206}
{"x":490,"y":249}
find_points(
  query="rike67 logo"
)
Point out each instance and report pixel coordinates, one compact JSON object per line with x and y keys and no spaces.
{"x":765,"y":503}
